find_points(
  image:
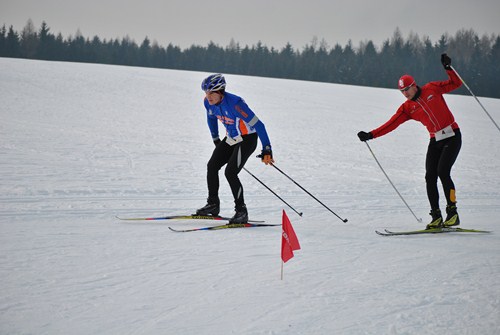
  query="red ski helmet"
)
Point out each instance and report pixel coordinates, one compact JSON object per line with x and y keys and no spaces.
{"x":405,"y":82}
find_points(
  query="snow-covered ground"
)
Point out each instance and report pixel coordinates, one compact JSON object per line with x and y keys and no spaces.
{"x":81,"y":143}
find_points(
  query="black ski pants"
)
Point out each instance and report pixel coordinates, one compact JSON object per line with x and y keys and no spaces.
{"x":441,"y":155}
{"x":235,"y":157}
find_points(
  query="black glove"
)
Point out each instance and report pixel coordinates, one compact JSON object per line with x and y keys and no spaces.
{"x":364,"y":136}
{"x":266,"y":156}
{"x":446,"y":61}
{"x":217,"y":141}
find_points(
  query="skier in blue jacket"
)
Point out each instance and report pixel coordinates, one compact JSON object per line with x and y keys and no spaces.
{"x":242,"y":129}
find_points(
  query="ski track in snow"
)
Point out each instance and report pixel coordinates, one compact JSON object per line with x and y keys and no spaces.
{"x":81,"y":143}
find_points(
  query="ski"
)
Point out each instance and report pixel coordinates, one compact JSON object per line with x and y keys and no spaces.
{"x":430,"y":231}
{"x":225,"y":226}
{"x":183,"y":217}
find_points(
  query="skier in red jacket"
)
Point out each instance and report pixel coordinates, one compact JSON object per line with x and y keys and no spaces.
{"x":427,"y":105}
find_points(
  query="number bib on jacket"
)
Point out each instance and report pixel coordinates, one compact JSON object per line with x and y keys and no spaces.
{"x":232,"y":141}
{"x":444,"y":133}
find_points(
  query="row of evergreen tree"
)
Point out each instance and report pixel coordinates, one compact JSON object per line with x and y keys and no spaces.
{"x":476,"y":58}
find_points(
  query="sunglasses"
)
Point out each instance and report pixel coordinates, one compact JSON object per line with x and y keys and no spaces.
{"x":407,"y":88}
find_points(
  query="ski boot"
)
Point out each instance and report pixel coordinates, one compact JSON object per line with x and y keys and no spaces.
{"x":212,"y":208}
{"x":241,"y":215}
{"x":452,"y":218}
{"x":437,"y":219}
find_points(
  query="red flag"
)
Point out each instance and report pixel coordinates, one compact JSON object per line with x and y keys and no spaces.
{"x":289,"y":241}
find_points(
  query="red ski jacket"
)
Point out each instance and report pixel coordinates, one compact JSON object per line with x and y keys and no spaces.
{"x":428,"y":107}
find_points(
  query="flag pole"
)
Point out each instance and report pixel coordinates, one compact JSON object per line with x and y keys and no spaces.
{"x":282,"y":269}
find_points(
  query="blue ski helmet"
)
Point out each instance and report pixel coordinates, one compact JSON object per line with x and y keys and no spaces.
{"x":214,"y":82}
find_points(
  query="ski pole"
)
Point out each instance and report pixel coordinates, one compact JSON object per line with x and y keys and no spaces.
{"x":479,"y":102}
{"x":343,"y":220}
{"x":381,"y":168}
{"x":286,"y":203}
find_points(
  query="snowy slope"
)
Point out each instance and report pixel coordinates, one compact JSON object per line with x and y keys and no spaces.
{"x":81,"y":143}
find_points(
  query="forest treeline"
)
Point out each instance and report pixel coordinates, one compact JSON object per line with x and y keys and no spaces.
{"x":476,"y":58}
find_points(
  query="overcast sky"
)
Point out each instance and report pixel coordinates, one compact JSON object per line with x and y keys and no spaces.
{"x":273,"y":22}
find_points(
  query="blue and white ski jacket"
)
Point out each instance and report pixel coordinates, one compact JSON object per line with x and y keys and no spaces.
{"x":237,"y":117}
